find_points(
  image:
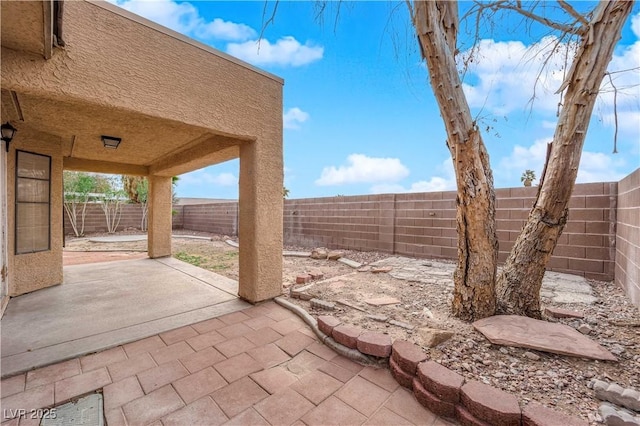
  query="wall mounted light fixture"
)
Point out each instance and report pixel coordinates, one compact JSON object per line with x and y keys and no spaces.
{"x":8,"y":132}
{"x":110,"y":142}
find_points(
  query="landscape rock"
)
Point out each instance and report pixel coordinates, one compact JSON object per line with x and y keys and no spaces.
{"x":381,"y":301}
{"x":316,"y":274}
{"x":584,"y":329}
{"x":612,"y":416}
{"x":524,"y":332}
{"x":319,"y":253}
{"x":381,"y":269}
{"x":378,"y":318}
{"x":433,"y":337}
{"x":335,"y":255}
{"x":562,"y":313}
{"x":402,"y":324}
{"x":322,"y":304}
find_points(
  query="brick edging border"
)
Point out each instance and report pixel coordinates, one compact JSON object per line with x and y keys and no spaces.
{"x":441,"y":390}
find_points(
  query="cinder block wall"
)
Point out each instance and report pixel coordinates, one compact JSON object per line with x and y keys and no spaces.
{"x":627,"y":268}
{"x":95,"y":220}
{"x":424,"y":225}
{"x":220,"y":218}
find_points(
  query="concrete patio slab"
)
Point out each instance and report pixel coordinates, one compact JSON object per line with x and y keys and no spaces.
{"x":103,"y":305}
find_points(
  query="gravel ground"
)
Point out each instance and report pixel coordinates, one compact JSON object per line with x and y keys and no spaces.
{"x":556,"y":381}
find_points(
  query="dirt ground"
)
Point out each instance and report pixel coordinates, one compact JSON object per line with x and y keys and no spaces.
{"x":556,"y":381}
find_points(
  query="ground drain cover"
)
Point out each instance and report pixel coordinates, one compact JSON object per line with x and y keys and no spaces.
{"x":86,"y":411}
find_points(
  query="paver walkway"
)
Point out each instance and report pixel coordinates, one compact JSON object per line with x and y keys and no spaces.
{"x":258,"y":366}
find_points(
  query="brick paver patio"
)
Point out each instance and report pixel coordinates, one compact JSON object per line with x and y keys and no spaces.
{"x":259,"y":366}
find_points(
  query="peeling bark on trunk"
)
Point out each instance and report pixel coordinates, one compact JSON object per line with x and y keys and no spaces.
{"x":436,"y":24}
{"x":518,"y":287}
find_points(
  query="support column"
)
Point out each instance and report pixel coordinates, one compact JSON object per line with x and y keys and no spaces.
{"x":159,"y":229}
{"x":260,"y":224}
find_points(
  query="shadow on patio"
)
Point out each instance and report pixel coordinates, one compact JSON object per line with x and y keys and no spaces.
{"x":101,"y":305}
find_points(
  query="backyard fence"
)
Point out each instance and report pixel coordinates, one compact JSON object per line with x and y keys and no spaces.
{"x":601,"y":238}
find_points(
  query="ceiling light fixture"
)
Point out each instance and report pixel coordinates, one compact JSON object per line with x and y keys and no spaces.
{"x":8,"y":132}
{"x":110,"y":142}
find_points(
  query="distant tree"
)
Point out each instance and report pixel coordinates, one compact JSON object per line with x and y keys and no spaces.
{"x":285,"y":192}
{"x":78,"y":189}
{"x":112,"y":198}
{"x":528,"y":176}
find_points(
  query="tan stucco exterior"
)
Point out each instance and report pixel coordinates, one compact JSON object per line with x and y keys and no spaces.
{"x":178,"y":106}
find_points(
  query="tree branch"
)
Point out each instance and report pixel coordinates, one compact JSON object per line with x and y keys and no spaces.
{"x":571,"y":11}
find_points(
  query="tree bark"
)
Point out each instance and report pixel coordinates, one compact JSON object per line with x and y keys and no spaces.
{"x":436,"y":24}
{"x":518,"y":287}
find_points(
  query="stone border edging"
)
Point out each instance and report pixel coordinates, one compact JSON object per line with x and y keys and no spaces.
{"x":441,"y":390}
{"x":345,"y":351}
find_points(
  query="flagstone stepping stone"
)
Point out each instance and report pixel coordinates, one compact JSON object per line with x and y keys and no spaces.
{"x":524,"y":332}
{"x":562,"y":313}
{"x":381,"y":301}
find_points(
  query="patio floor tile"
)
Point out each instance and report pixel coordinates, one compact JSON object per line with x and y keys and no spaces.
{"x":157,"y":377}
{"x":335,"y":412}
{"x":362,"y":395}
{"x":403,"y":402}
{"x":177,"y":335}
{"x":316,"y":386}
{"x":278,"y":313}
{"x":101,"y":359}
{"x":168,"y":353}
{"x":347,"y":363}
{"x":288,"y":325}
{"x":274,"y":379}
{"x":263,"y":336}
{"x":119,"y":393}
{"x":234,"y":330}
{"x":237,"y":367}
{"x":151,"y":407}
{"x":294,"y":342}
{"x":115,"y":417}
{"x":283,"y":408}
{"x":201,"y":359}
{"x":304,"y":362}
{"x":238,"y":396}
{"x":199,"y":384}
{"x":201,"y":412}
{"x":132,"y":366}
{"x":12,"y":385}
{"x":31,"y":399}
{"x":385,"y":416}
{"x":269,"y":355}
{"x":234,"y":317}
{"x":52,"y":373}
{"x":248,"y":417}
{"x":337,"y":372}
{"x":381,"y":377}
{"x":234,"y":346}
{"x":205,"y":340}
{"x":256,"y":311}
{"x":145,"y":345}
{"x":79,"y":385}
{"x":208,"y":325}
{"x":256,"y":323}
{"x":321,"y":350}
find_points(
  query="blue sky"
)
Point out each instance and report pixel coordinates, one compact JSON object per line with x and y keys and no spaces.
{"x":359,"y":115}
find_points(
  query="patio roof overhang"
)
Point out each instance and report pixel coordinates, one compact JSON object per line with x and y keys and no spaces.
{"x":177,"y":104}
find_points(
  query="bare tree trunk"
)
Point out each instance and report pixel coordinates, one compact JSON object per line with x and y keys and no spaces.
{"x":436,"y":24}
{"x":518,"y":287}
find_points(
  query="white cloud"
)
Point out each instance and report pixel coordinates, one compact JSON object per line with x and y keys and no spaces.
{"x":201,"y":177}
{"x":186,"y":19}
{"x":446,"y":181}
{"x":364,"y":169}
{"x":635,"y":25}
{"x":506,"y":73}
{"x":594,"y":166}
{"x":226,"y":30}
{"x":287,"y":51}
{"x":294,"y":117}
